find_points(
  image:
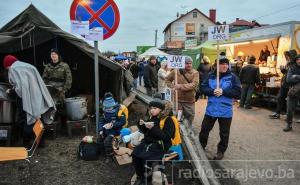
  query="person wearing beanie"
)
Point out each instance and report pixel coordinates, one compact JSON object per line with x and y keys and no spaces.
{"x":58,"y":74}
{"x":150,"y":76}
{"x":219,"y":105}
{"x":8,"y":61}
{"x":110,"y":123}
{"x":187,"y":85}
{"x":33,"y":98}
{"x":293,"y":96}
{"x":156,"y":142}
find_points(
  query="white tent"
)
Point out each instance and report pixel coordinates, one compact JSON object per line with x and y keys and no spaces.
{"x":153,"y":51}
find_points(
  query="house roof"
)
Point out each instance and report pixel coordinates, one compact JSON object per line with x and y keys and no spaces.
{"x":242,"y":22}
{"x":195,"y":9}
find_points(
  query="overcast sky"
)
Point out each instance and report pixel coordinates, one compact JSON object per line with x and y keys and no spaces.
{"x":140,"y":18}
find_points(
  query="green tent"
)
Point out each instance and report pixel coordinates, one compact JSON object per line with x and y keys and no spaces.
{"x":208,"y":49}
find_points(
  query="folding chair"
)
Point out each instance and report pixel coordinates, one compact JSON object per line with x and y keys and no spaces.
{"x":21,"y":153}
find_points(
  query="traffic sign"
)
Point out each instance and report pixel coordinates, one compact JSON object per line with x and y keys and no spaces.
{"x":99,"y":13}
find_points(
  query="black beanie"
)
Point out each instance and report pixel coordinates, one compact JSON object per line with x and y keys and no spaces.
{"x":224,"y":61}
{"x":54,"y":50}
{"x":157,"y":103}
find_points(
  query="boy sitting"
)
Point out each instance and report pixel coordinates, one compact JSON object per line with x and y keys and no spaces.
{"x":110,"y":123}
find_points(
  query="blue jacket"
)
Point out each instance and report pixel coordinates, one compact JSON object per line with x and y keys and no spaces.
{"x":221,"y":106}
{"x":118,"y":122}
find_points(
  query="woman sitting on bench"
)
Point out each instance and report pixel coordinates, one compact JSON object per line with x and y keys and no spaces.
{"x":156,"y":141}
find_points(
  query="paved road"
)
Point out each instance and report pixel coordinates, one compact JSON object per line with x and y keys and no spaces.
{"x":255,"y":137}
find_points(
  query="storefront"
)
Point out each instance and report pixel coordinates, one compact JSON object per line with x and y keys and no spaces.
{"x":278,"y":39}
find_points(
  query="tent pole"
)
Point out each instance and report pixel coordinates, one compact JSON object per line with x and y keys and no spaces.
{"x":96,"y":66}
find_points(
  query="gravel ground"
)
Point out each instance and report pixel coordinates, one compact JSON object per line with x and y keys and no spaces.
{"x":58,"y":164}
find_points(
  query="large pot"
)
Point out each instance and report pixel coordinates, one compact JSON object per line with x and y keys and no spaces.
{"x":76,"y":108}
{"x":7,"y":105}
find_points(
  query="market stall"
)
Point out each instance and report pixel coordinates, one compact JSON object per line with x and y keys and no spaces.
{"x":277,"y":38}
{"x":207,"y":48}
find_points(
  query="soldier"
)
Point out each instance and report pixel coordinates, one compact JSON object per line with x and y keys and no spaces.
{"x":58,"y":74}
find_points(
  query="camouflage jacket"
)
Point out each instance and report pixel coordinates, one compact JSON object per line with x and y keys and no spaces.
{"x":59,"y":74}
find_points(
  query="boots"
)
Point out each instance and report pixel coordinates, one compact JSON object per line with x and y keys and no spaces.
{"x":288,"y":127}
{"x":219,"y":156}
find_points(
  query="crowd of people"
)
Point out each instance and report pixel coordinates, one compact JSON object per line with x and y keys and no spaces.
{"x":161,"y":129}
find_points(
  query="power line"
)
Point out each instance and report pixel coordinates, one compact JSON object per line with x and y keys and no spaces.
{"x":277,"y":11}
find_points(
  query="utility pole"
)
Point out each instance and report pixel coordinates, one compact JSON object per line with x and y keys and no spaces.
{"x":155,"y":38}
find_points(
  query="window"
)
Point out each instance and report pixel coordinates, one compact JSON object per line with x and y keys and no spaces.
{"x":194,"y":14}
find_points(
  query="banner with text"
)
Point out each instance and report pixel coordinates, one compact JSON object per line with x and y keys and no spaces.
{"x":220,"y":32}
{"x":176,"y":62}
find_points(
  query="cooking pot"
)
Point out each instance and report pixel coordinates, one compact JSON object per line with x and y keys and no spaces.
{"x":7,"y":105}
{"x":76,"y":108}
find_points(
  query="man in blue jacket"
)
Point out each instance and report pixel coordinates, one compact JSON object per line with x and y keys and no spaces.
{"x":219,"y":106}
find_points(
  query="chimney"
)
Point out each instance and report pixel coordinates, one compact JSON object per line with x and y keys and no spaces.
{"x":212,"y":15}
{"x":237,"y":19}
{"x":177,"y":15}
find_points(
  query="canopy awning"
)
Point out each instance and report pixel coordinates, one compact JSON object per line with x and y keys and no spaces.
{"x":262,"y":38}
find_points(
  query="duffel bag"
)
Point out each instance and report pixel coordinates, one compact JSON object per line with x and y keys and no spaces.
{"x":88,"y":151}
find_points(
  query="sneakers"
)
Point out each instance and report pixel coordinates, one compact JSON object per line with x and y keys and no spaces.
{"x":219,"y":156}
{"x":288,"y":127}
{"x":274,"y":116}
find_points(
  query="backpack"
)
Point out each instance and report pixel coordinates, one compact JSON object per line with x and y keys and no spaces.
{"x":177,"y":138}
{"x":123,"y":109}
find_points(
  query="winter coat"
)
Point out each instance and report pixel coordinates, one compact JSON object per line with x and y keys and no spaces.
{"x":141,"y":68}
{"x":150,"y":76}
{"x":134,"y":69}
{"x":162,"y":74}
{"x":188,"y":89}
{"x":249,"y":74}
{"x":58,"y":75}
{"x":221,"y":106}
{"x":118,"y":121}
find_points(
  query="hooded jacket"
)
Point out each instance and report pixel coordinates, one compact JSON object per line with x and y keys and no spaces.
{"x":221,"y":106}
{"x":118,"y":121}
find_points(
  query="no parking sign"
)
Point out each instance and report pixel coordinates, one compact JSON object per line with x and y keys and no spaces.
{"x":100,"y":14}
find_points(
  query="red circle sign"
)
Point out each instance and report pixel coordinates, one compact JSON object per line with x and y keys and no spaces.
{"x":99,"y":13}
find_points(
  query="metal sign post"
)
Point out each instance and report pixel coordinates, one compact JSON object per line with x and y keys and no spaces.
{"x":103,"y":17}
{"x":97,"y":101}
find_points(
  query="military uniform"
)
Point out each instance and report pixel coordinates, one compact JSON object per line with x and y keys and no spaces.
{"x":59,"y":76}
